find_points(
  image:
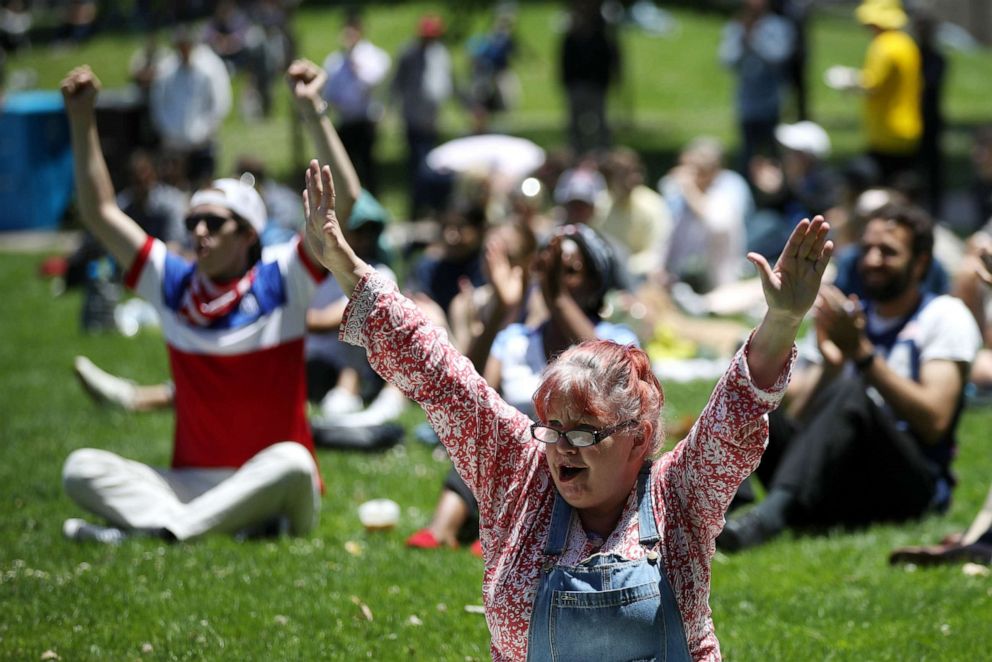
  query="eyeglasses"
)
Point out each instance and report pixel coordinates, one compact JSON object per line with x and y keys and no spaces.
{"x":214,"y":222}
{"x":577,"y":438}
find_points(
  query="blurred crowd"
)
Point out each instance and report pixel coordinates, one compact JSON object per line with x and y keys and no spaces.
{"x":498,"y":231}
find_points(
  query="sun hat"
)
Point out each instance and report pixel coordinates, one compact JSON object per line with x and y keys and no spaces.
{"x":808,"y":137}
{"x":886,"y":14}
{"x":236,"y":196}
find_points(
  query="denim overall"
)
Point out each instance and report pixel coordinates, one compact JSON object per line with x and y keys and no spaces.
{"x":607,"y":607}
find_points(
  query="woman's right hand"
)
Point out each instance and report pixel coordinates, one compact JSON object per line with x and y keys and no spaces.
{"x":79,"y":91}
{"x":547,"y":267}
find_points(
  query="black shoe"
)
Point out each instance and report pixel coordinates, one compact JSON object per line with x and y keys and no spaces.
{"x":82,"y":531}
{"x":749,"y":530}
{"x":977,"y":552}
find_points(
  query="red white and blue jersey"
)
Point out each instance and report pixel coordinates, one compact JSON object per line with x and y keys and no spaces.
{"x":240,"y":382}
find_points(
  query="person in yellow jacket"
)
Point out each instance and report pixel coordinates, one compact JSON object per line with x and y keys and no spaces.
{"x":892,"y":81}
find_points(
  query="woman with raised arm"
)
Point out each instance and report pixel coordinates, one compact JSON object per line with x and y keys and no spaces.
{"x":596,"y":545}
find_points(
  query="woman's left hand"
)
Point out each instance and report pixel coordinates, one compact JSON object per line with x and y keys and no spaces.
{"x":791,"y":286}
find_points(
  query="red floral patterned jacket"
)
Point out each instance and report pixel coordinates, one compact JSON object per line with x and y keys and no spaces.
{"x":491,"y":447}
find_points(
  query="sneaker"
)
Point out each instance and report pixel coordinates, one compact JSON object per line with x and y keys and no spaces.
{"x":690,"y":302}
{"x":104,"y":387}
{"x":387,"y":406}
{"x":749,"y":530}
{"x":81,"y":531}
{"x":338,"y":401}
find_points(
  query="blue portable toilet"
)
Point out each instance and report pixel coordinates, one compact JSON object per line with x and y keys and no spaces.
{"x":35,"y":161}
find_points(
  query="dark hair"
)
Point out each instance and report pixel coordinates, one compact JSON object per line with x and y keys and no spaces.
{"x":255,"y":250}
{"x":619,"y":160}
{"x":915,"y":219}
{"x":599,"y":257}
{"x":472,"y":213}
{"x":250,"y":164}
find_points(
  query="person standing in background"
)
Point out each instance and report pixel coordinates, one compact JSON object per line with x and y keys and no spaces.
{"x":189,"y":100}
{"x":353,"y":73}
{"x":892,"y":82}
{"x":756,"y":46}
{"x":797,"y":12}
{"x":590,"y":64}
{"x":422,"y":82}
{"x":934,"y":63}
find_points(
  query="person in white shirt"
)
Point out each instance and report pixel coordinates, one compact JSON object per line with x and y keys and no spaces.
{"x":868,"y":430}
{"x":757,"y":45}
{"x":422,"y":82}
{"x":709,"y":206}
{"x":634,"y":215}
{"x":189,"y":100}
{"x":353,"y":73}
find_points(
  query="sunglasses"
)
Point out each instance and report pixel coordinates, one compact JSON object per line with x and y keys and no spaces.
{"x":214,"y":222}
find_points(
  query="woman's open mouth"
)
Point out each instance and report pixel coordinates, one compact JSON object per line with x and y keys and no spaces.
{"x":566,"y":474}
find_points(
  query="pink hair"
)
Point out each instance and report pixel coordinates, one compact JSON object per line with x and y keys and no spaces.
{"x":609,"y":381}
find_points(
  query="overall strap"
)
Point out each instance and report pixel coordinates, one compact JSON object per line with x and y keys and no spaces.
{"x":887,"y":339}
{"x":561,"y":517}
{"x":645,"y":508}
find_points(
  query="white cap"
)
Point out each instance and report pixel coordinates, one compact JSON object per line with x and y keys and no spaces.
{"x":806,"y":136}
{"x":238,"y":196}
{"x":579,"y":184}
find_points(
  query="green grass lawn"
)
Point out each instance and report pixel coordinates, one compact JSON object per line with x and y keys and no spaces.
{"x":799,"y":598}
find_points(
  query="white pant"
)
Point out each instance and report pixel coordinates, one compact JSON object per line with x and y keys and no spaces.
{"x":280,"y":481}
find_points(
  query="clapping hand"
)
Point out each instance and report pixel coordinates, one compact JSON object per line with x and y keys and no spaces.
{"x":983,"y":268}
{"x":977,"y":260}
{"x":507,"y":280}
{"x":840,"y":324}
{"x":548,"y":268}
{"x":791,"y":286}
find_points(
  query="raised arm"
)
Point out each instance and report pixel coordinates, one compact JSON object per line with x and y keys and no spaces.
{"x":726,"y":443}
{"x":790,"y":289}
{"x":566,"y":313}
{"x":324,"y":236}
{"x":114,"y":229}
{"x":487,"y":440}
{"x":306,"y":80}
{"x":509,"y":287}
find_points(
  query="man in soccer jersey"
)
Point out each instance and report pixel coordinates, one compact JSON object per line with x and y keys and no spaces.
{"x":234,"y":325}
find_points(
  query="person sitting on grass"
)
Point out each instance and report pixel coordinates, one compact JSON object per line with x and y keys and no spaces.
{"x":330,"y":365}
{"x":575,"y":271}
{"x":975,"y":544}
{"x":579,"y":507}
{"x":869,"y":431}
{"x":243,"y":458}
